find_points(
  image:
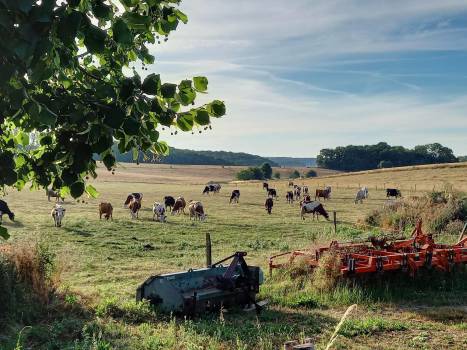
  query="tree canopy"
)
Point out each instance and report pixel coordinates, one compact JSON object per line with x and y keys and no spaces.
{"x":294,"y":174}
{"x":69,"y":88}
{"x":267,"y":170}
{"x":354,"y":158}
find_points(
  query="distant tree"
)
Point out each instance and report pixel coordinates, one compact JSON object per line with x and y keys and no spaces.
{"x":252,"y":173}
{"x":294,"y":174}
{"x":462,"y":159}
{"x":267,"y":170}
{"x":354,"y":158}
{"x":385,"y":164}
{"x":311,"y":173}
{"x":277,"y":175}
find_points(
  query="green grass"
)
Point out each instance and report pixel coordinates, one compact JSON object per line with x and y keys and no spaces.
{"x":104,"y":262}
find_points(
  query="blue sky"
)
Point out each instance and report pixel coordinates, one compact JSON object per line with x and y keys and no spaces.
{"x":301,"y":75}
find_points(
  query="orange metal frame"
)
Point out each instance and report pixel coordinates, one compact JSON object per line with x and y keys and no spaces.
{"x":405,"y":255}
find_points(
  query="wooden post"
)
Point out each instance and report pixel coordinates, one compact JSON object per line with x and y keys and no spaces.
{"x":462,"y":232}
{"x":208,"y":250}
{"x":334,"y":216}
{"x":415,"y":188}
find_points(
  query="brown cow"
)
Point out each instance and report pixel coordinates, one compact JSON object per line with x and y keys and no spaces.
{"x":268,"y":205}
{"x":196,"y":211}
{"x":135,"y":206}
{"x":179,"y":206}
{"x":107,"y":210}
{"x":325,"y":194}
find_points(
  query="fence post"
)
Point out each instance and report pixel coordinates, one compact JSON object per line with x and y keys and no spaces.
{"x":462,"y":232}
{"x":208,"y":250}
{"x":334,"y":217}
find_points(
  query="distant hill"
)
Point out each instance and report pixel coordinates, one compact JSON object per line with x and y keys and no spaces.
{"x":190,"y":157}
{"x":294,"y":162}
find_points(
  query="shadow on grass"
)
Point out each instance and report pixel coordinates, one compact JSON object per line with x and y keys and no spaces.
{"x":78,"y":231}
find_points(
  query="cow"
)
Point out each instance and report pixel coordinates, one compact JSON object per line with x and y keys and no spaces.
{"x":133,"y":196}
{"x":179,"y":206}
{"x":159,"y":212}
{"x":196,"y":211}
{"x":325,"y":194}
{"x":307,"y":199}
{"x":360,"y":196}
{"x":169,"y":202}
{"x":265,"y":186}
{"x":235,"y":196}
{"x":297,"y":192}
{"x":272,"y":193}
{"x":214,"y":188}
{"x":393,"y":192}
{"x":305,"y":190}
{"x":289,"y":197}
{"x":54,"y":194}
{"x":134,"y":207}
{"x":58,"y":213}
{"x":315,"y":208}
{"x":291,"y":184}
{"x":5,"y":210}
{"x":107,"y":210}
{"x":365,"y":191}
{"x":268,"y":205}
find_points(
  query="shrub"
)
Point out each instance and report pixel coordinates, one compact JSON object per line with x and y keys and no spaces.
{"x":311,"y":173}
{"x":294,"y":174}
{"x":252,"y":173}
{"x":277,"y":175}
{"x":267,"y":170}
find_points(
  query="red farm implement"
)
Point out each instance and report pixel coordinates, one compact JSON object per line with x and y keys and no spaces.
{"x":400,"y":255}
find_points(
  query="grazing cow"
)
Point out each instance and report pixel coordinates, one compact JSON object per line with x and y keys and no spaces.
{"x":325,"y":194}
{"x":5,"y":210}
{"x":307,"y":199}
{"x":58,"y":212}
{"x":179,"y":206}
{"x":196,"y":211}
{"x":235,"y":196}
{"x":289,"y":197}
{"x":134,"y":207}
{"x":365,"y":191}
{"x":268,"y":205}
{"x":265,"y":186}
{"x":305,"y":190}
{"x":360,"y":196}
{"x":106,"y":209}
{"x":135,"y":196}
{"x":291,"y":184}
{"x":297,"y":192}
{"x":393,"y":192}
{"x":272,"y":193}
{"x":169,"y":202}
{"x":54,"y":194}
{"x":315,"y":208}
{"x":159,"y":212}
{"x":214,"y":188}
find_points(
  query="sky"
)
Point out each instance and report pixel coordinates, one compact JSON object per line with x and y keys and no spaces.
{"x":301,"y":75}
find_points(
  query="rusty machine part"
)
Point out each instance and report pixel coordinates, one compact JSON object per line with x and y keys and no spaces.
{"x":400,"y":255}
{"x":199,"y":290}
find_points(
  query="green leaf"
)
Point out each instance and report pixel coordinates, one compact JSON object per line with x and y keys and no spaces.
{"x":64,"y":191}
{"x":8,"y":177}
{"x":185,"y":121}
{"x":181,"y":16}
{"x":77,"y":189}
{"x":131,"y":126}
{"x":68,"y":27}
{"x":114,"y":117}
{"x":216,"y":108}
{"x":201,"y":83}
{"x":4,"y":233}
{"x":46,"y":117}
{"x":166,"y":118}
{"x":91,"y":191}
{"x":121,"y":33}
{"x":168,"y":90}
{"x":101,"y":10}
{"x":95,"y":39}
{"x":109,"y":161}
{"x":137,"y":21}
{"x":22,"y":138}
{"x":151,"y":84}
{"x":202,"y":117}
{"x":46,"y":140}
{"x":130,"y":3}
{"x":187,"y":96}
{"x":161,"y":148}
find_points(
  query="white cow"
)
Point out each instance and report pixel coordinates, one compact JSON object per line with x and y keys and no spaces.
{"x":360,"y":196}
{"x":196,"y":211}
{"x":58,"y":212}
{"x":159,"y":212}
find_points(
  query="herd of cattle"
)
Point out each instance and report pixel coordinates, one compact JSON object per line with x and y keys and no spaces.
{"x":195,"y":208}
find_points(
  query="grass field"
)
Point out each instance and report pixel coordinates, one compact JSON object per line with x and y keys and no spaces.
{"x":103,"y":263}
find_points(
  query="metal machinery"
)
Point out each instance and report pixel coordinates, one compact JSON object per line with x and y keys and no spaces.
{"x":196,"y":291}
{"x":400,"y":255}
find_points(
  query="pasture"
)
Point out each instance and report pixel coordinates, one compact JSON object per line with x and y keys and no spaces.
{"x":103,"y":262}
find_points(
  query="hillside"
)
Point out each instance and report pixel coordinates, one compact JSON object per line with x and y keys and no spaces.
{"x":294,"y":162}
{"x":191,"y":157}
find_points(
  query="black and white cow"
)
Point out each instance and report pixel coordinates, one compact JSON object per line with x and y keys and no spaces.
{"x":235,"y":196}
{"x":268,"y":205}
{"x":169,"y":202}
{"x":315,"y":208}
{"x":58,"y":213}
{"x":393,"y":192}
{"x":289,"y":197}
{"x":158,"y":211}
{"x":5,"y":210}
{"x":272,"y":193}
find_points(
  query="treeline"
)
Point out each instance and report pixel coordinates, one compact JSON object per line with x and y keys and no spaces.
{"x":190,"y":157}
{"x":382,"y":155}
{"x":462,"y":159}
{"x":265,"y":172}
